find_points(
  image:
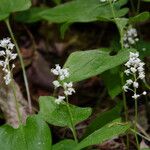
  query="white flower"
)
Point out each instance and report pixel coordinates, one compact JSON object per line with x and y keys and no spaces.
{"x":102,"y":1}
{"x":144,"y":93}
{"x":130,"y":37}
{"x":129,"y":82}
{"x":59,"y":99}
{"x":62,"y":75}
{"x":135,"y":68}
{"x":2,"y":53}
{"x":8,"y":55}
{"x":135,"y":84}
{"x":127,"y":72}
{"x":56,"y":83}
{"x":125,"y":88}
{"x":135,"y":96}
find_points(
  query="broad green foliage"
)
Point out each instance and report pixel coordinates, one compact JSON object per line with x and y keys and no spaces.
{"x":35,"y":135}
{"x":76,"y":11}
{"x":3,"y":16}
{"x":144,"y":48}
{"x":146,"y":0}
{"x":112,"y":81}
{"x":58,"y":114}
{"x":144,"y":16}
{"x":85,"y":64}
{"x":10,"y":6}
{"x":106,"y":132}
{"x":30,"y":16}
{"x":65,"y":145}
{"x":103,"y":119}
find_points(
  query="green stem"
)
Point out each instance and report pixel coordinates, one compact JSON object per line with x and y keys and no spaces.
{"x":125,"y":107}
{"x":71,"y":120}
{"x":114,"y":17}
{"x":135,"y":122}
{"x":132,"y":5}
{"x":136,"y":115}
{"x":15,"y":97}
{"x":22,"y":64}
{"x":138,"y":6}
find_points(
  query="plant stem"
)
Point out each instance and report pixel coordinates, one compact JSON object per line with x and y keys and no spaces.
{"x":125,"y":107}
{"x":22,"y":64}
{"x":15,"y":97}
{"x":132,"y":5}
{"x":138,"y":6}
{"x":114,"y":17}
{"x":71,"y":120}
{"x":136,"y":116}
{"x":135,"y":121}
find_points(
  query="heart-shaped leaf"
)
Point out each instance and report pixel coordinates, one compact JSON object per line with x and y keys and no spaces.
{"x":85,"y":64}
{"x":58,"y":114}
{"x":35,"y":135}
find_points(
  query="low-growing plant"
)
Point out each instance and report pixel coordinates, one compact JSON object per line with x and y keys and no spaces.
{"x":125,"y":68}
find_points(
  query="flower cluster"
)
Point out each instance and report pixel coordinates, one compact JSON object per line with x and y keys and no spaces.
{"x":130,"y":37}
{"x":135,"y":67}
{"x":8,"y":56}
{"x":107,"y":1}
{"x":62,"y":75}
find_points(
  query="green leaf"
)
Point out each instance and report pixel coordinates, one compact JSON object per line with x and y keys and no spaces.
{"x":83,"y":11}
{"x":76,"y":11}
{"x":107,"y":132}
{"x":31,"y":15}
{"x":146,"y":0}
{"x":144,"y":48}
{"x":85,"y":64}
{"x":65,"y":145}
{"x":144,"y":16}
{"x":9,"y":6}
{"x":121,"y":24}
{"x":112,"y":81}
{"x":3,"y":16}
{"x":58,"y":114}
{"x":103,"y":119}
{"x":35,"y":135}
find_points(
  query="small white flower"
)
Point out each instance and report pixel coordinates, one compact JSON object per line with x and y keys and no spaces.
{"x":135,"y":96}
{"x":133,"y":70}
{"x":144,"y":93}
{"x":127,"y":72}
{"x":8,"y":56}
{"x":135,"y":67}
{"x":59,"y":99}
{"x":130,"y":37}
{"x":125,"y":88}
{"x":56,"y":84}
{"x":129,"y":82}
{"x":135,"y":84}
{"x":2,"y":53}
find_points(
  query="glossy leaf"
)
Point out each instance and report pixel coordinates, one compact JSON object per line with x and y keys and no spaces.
{"x":85,"y":64}
{"x":9,"y":6}
{"x":77,"y":11}
{"x":35,"y":135}
{"x":144,"y":16}
{"x":107,"y":132}
{"x":58,"y":114}
{"x":65,"y":145}
{"x":103,"y":119}
{"x":112,"y":81}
